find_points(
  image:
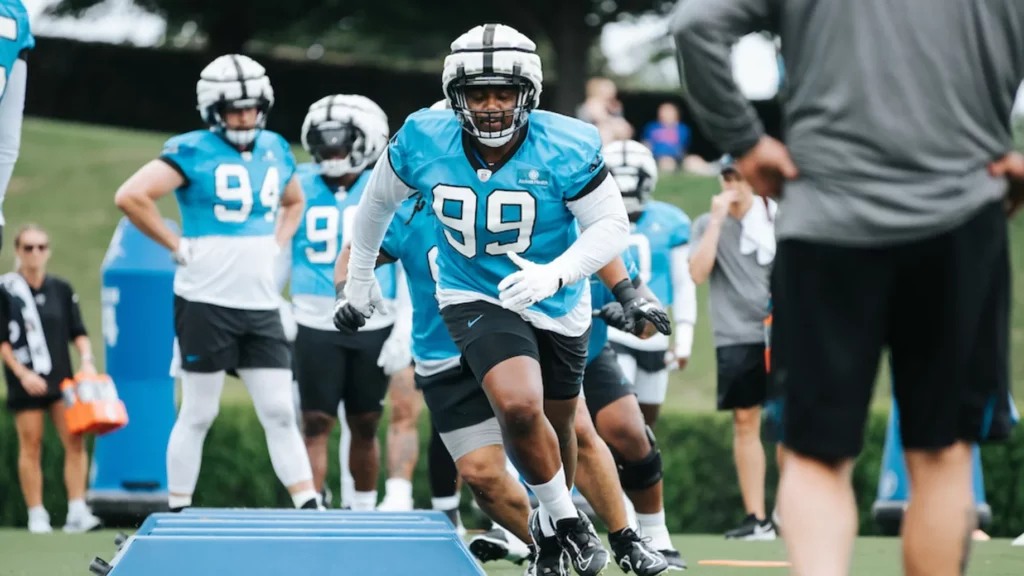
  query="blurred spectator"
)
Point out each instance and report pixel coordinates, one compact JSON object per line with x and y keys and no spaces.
{"x":603,"y":109}
{"x":668,"y":138}
{"x":39,"y":316}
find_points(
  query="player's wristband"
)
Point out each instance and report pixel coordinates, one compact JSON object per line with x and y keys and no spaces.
{"x":339,"y":290}
{"x":625,"y":292}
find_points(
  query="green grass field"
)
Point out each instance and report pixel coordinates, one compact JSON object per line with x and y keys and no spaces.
{"x":58,"y":554}
{"x":67,"y":174}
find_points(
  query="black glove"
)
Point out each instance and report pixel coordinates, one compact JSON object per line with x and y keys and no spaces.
{"x":638,"y":311}
{"x":346,"y":318}
{"x":612,"y":314}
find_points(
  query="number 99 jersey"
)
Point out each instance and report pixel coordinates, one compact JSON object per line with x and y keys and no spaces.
{"x":322,"y":234}
{"x":516,"y":205}
{"x":228,"y":205}
{"x":15,"y":37}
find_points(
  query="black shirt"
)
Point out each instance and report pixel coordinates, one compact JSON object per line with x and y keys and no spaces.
{"x":61,"y":318}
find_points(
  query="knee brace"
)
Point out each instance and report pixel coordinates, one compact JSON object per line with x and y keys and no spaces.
{"x":642,"y":474}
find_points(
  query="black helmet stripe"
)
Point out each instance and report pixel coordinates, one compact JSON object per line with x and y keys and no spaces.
{"x":241,"y":76}
{"x":488,"y":42}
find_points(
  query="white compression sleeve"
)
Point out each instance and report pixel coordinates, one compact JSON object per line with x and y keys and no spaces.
{"x":602,"y":216}
{"x":12,"y":109}
{"x":384,"y":193}
{"x":684,"y":300}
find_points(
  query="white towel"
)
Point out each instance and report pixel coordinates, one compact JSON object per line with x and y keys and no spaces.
{"x":759,"y":231}
{"x":35,"y":339}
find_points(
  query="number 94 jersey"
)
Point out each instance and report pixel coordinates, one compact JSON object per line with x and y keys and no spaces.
{"x":229,"y":205}
{"x":516,"y":205}
{"x":322,"y":234}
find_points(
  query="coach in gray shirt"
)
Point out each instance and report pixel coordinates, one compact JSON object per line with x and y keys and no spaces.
{"x":733,"y":249}
{"x":891,"y":232}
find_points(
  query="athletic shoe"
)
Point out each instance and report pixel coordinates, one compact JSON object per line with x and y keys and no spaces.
{"x":531,"y":562}
{"x":674,"y":559}
{"x":1019,"y":541}
{"x":549,"y":559}
{"x":578,"y":537}
{"x":39,"y":522}
{"x":326,"y":496}
{"x":634,"y":554}
{"x":752,"y":529}
{"x":777,"y":521}
{"x":498,"y":544}
{"x":83,"y":522}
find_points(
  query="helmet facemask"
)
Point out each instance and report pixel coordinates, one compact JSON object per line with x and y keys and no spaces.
{"x":510,"y":120}
{"x":240,"y":137}
{"x":338,"y":148}
{"x":635,"y":185}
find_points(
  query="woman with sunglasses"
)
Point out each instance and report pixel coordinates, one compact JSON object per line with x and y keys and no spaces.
{"x":39,"y":316}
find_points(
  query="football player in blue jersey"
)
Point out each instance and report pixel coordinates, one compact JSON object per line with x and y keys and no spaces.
{"x":466,"y":421}
{"x":15,"y":42}
{"x":240,"y":203}
{"x":345,"y":134}
{"x":506,"y":182}
{"x":617,"y":415}
{"x":659,"y":241}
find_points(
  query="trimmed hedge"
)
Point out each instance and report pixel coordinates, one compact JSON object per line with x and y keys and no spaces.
{"x":701,"y":494}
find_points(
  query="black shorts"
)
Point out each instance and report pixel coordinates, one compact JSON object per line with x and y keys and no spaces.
{"x":18,"y":400}
{"x":742,"y":376}
{"x":651,"y":361}
{"x":455,"y":399}
{"x":604,"y":382}
{"x":214,"y":338}
{"x":488,"y":334}
{"x":332,"y":367}
{"x":941,"y":305}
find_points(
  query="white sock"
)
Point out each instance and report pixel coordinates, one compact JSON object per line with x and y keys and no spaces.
{"x":398,"y":488}
{"x":200,"y":402}
{"x":555,"y":502}
{"x":348,"y":484}
{"x":179,"y":501}
{"x":364,"y":501}
{"x":653,"y":527}
{"x":300,"y":498}
{"x":631,"y":514}
{"x":446,"y":503}
{"x":77,"y":507}
{"x":271,"y":392}
{"x":37,"y":511}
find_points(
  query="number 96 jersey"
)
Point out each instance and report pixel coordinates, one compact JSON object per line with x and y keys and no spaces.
{"x":515,"y":205}
{"x":229,"y":205}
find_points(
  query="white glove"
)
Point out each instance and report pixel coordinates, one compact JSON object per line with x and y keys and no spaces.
{"x":183,"y":255}
{"x":531,"y":284}
{"x":363,"y":295}
{"x":396,"y":354}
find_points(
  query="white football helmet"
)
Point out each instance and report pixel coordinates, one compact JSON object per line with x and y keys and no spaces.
{"x":441,"y":105}
{"x":345,"y":133}
{"x":635,"y":171}
{"x":234,"y":82}
{"x":493,"y":55}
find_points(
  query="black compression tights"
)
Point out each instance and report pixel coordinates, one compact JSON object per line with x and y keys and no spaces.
{"x":441,"y":467}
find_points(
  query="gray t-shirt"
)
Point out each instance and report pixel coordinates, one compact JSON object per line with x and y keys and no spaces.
{"x":738,"y":286}
{"x":891,"y":110}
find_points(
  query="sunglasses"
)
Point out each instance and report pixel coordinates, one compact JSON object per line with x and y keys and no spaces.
{"x":32,"y":247}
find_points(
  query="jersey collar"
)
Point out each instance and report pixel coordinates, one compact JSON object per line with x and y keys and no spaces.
{"x":470,"y":149}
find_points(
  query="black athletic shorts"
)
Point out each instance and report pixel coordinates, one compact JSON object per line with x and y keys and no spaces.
{"x":742,"y":376}
{"x":214,"y":338}
{"x":941,"y":305}
{"x":488,"y":334}
{"x":332,"y":367}
{"x":455,"y":399}
{"x":604,"y":382}
{"x":650,"y":361}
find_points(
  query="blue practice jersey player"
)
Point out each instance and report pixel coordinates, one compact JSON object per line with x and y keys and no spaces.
{"x":465,"y":422}
{"x":506,"y":183}
{"x":15,"y":42}
{"x":240,"y":202}
{"x":345,"y":134}
{"x":659,"y":242}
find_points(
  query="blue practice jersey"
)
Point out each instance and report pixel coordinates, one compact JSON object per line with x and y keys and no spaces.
{"x":518,"y":205}
{"x":599,"y":296}
{"x":660,"y":228}
{"x":322,"y":234}
{"x":229,"y":205}
{"x":227,"y":192}
{"x":15,"y":36}
{"x":414,"y":243}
